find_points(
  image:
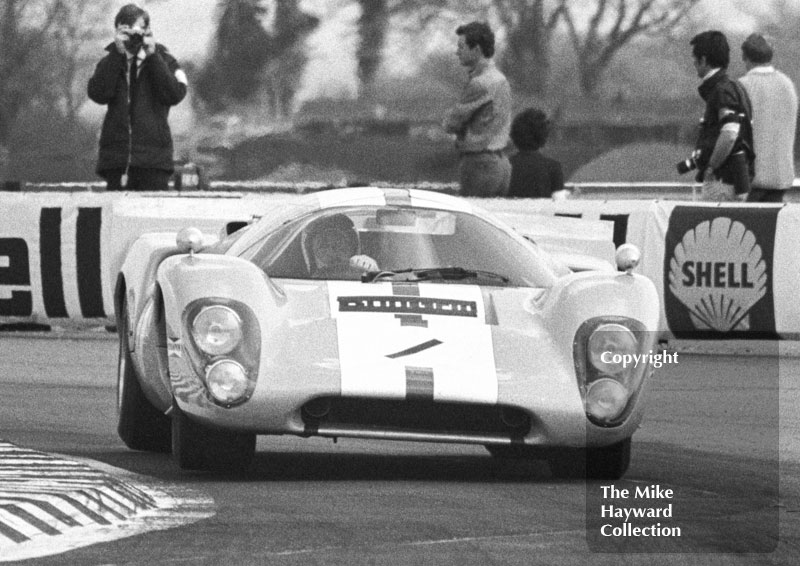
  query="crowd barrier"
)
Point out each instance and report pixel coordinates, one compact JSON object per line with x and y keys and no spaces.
{"x":723,"y":271}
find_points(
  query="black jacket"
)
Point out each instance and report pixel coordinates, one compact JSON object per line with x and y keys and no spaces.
{"x":137,"y":136}
{"x":534,"y":175}
{"x":720,"y":91}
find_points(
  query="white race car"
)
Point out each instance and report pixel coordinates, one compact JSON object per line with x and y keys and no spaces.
{"x":387,"y":314}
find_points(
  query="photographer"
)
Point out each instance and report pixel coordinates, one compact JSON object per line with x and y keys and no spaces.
{"x":723,"y":153}
{"x":139,"y":81}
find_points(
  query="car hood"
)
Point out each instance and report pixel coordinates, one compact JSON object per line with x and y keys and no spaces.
{"x":397,"y":340}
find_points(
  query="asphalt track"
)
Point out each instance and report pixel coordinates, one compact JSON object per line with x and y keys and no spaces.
{"x":722,"y":432}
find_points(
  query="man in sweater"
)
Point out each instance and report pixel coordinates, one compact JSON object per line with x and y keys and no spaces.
{"x":482,"y":117}
{"x":774,"y":100}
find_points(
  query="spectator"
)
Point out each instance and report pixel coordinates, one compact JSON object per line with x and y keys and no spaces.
{"x":724,"y":146}
{"x":482,"y":117}
{"x":774,"y":100}
{"x":533,"y":175}
{"x":138,"y":80}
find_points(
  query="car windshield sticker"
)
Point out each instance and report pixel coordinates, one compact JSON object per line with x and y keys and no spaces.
{"x":455,"y":348}
{"x":410,"y":305}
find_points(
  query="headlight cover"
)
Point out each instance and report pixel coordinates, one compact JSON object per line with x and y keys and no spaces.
{"x":610,"y":346}
{"x":610,"y":366}
{"x":223,"y":348}
{"x":217,"y":330}
{"x":227,"y":381}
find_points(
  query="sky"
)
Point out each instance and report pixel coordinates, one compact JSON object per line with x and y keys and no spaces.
{"x":329,"y":71}
{"x":187,"y":26}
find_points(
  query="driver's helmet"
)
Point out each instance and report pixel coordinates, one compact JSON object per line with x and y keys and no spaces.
{"x":334,"y":226}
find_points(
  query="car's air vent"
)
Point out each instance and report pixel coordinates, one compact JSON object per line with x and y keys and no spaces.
{"x":417,"y":415}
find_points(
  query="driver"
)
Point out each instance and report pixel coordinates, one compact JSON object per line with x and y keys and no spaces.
{"x":333,"y":246}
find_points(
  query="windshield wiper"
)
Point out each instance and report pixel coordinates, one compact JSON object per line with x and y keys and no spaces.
{"x":454,"y":273}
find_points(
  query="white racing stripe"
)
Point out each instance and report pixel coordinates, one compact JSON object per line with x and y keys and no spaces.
{"x":393,"y":344}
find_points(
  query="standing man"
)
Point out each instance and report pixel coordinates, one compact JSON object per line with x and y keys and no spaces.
{"x":725,"y":144}
{"x":774,"y":101}
{"x":139,"y":81}
{"x":482,"y":118}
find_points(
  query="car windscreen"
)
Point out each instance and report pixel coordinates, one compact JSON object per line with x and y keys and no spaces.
{"x":403,"y":244}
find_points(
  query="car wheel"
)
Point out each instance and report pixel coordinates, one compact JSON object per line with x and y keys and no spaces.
{"x":605,"y":463}
{"x":140,"y":425}
{"x":198,"y":447}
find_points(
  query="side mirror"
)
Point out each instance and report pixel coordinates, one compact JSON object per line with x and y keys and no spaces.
{"x":189,"y":240}
{"x":627,"y":257}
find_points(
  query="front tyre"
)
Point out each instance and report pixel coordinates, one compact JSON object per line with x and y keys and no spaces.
{"x":604,"y":463}
{"x":198,"y":447}
{"x":140,"y":425}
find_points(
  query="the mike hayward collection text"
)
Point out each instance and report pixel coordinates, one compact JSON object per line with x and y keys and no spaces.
{"x":638,"y":521}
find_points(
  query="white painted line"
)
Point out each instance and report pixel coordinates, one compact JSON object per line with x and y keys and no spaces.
{"x":18,"y":524}
{"x":39,"y":514}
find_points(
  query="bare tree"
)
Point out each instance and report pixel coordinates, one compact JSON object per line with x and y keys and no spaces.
{"x":247,"y":58}
{"x":25,"y":26}
{"x":372,"y":27}
{"x":611,"y":26}
{"x":238,"y":55}
{"x":529,"y":25}
{"x":76,"y":37}
{"x":287,"y":55}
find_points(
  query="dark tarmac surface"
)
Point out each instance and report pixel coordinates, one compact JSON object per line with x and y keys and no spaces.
{"x":721,"y":431}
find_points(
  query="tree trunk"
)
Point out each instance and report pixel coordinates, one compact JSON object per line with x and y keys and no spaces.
{"x":526,"y":61}
{"x":372,"y":26}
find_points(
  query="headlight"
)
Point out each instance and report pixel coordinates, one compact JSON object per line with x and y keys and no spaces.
{"x":217,"y":330}
{"x":606,"y":399}
{"x":611,"y":348}
{"x":223,"y":348}
{"x":610,"y":366}
{"x":227,"y":382}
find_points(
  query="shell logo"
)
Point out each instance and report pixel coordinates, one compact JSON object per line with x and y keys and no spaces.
{"x":717,"y":271}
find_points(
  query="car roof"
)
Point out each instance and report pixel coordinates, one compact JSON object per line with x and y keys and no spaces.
{"x":384,"y":196}
{"x":357,"y":197}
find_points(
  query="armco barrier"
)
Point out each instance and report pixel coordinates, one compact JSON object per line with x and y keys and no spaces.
{"x":723,"y":271}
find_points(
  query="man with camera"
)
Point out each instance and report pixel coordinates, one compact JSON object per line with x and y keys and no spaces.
{"x":723,"y":154}
{"x":138,"y":80}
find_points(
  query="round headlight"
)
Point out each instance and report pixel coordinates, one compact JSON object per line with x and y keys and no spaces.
{"x":606,"y":399}
{"x":217,"y":330}
{"x":227,"y":381}
{"x":608,"y":347}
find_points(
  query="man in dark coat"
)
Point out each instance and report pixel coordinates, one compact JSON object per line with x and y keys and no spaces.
{"x":138,"y":80}
{"x":724,"y":147}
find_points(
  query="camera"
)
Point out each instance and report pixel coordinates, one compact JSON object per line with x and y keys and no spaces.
{"x":134,"y":42}
{"x":689,"y":164}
